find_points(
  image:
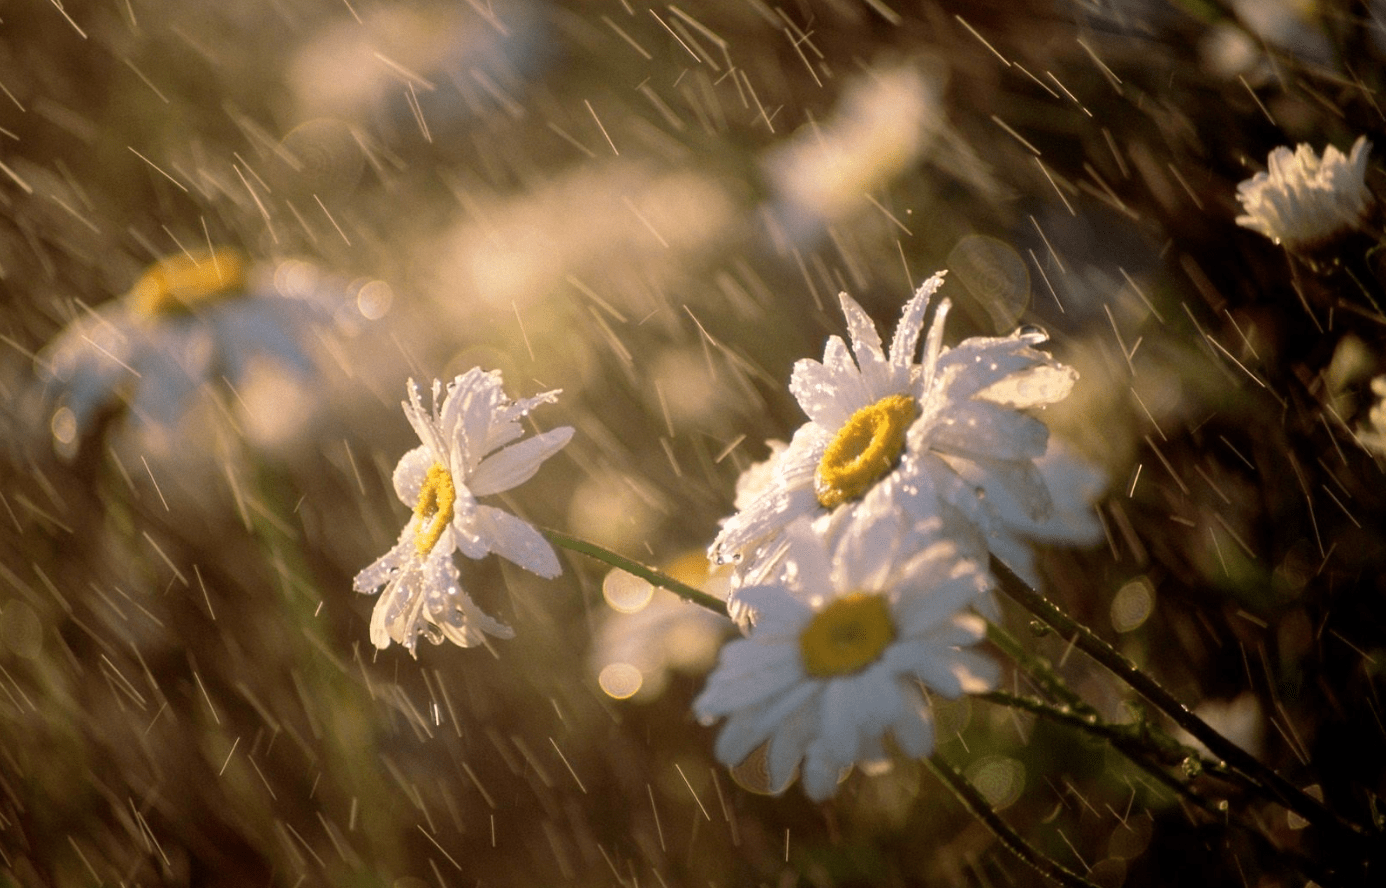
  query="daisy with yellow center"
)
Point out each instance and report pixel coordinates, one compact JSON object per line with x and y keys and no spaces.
{"x":942,"y":436}
{"x":201,"y":317}
{"x":840,"y":650}
{"x":470,"y":447}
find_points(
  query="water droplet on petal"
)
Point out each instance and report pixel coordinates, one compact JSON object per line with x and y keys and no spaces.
{"x":1033,"y":332}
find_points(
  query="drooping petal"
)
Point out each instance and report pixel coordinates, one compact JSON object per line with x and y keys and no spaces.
{"x":517,"y":463}
{"x":515,"y":540}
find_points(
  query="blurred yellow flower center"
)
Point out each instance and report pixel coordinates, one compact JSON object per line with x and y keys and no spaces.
{"x":181,"y":282}
{"x":847,"y":635}
{"x":434,"y":508}
{"x":865,"y":448}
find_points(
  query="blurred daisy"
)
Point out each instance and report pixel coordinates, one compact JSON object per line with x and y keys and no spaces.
{"x":839,"y":651}
{"x":942,"y":438}
{"x":464,"y":455}
{"x":1302,"y":201}
{"x":1372,"y":433}
{"x":187,"y":320}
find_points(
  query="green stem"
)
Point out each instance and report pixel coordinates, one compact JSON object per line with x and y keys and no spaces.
{"x":982,"y":810}
{"x":1146,"y":749}
{"x":649,"y":574}
{"x":1085,"y":640}
{"x":1149,"y":751}
{"x":1037,"y":669}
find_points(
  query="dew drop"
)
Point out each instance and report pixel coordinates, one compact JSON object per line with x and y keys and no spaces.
{"x":1033,"y":332}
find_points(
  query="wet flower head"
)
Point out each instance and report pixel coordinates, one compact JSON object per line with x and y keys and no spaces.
{"x":1302,"y":200}
{"x":470,"y":447}
{"x":840,"y":649}
{"x":942,"y":436}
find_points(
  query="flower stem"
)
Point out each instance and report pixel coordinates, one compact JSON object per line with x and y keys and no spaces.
{"x":982,"y":810}
{"x":1150,"y":751}
{"x":648,"y":574}
{"x":1037,"y":669}
{"x":1085,"y":640}
{"x":1153,"y":753}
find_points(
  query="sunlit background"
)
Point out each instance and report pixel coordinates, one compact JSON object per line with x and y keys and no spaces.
{"x":653,"y":208}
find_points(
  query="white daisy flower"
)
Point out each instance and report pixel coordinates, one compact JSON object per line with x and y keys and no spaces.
{"x":839,"y":651}
{"x":1302,"y":201}
{"x":466,"y":453}
{"x":939,"y":438}
{"x":1372,"y":433}
{"x":187,"y":320}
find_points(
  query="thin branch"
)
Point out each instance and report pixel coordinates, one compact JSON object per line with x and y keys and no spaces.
{"x":649,"y":574}
{"x":982,"y":810}
{"x":1263,"y":777}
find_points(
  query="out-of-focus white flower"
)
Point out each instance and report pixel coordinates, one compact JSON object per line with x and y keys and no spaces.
{"x":430,"y":68}
{"x":942,"y":439}
{"x":1301,"y":201}
{"x":650,"y":633}
{"x":464,"y":455}
{"x":885,"y":121}
{"x":834,"y":662}
{"x":188,"y":319}
{"x":1373,"y":434}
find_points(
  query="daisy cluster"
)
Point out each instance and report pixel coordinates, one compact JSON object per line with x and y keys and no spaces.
{"x":858,"y":551}
{"x":860,"y":547}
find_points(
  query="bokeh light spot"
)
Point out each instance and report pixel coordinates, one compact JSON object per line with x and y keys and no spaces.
{"x":625,"y":592}
{"x":620,"y":680}
{"x":1133,"y":604}
{"x":1000,"y":778}
{"x":374,"y":300}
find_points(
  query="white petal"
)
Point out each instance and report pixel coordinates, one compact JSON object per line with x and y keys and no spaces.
{"x":980,"y":428}
{"x":517,"y":463}
{"x":914,"y":729}
{"x":866,"y":346}
{"x":515,"y":540}
{"x":789,"y":742}
{"x":410,"y":473}
{"x":820,"y":772}
{"x":822,"y":395}
{"x":906,"y":340}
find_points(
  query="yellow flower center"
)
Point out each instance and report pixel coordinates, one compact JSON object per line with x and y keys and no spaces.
{"x":436,"y":499}
{"x":179,"y":282}
{"x":865,"y":448}
{"x":847,"y":635}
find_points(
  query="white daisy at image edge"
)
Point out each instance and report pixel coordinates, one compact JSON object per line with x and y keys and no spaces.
{"x":942,"y":438}
{"x":466,"y":453}
{"x":838,"y":653}
{"x":1302,"y":200}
